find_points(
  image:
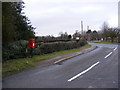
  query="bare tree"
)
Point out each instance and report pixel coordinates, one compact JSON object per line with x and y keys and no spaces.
{"x":104,"y":29}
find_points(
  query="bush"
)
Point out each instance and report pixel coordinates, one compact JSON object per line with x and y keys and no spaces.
{"x":14,"y":50}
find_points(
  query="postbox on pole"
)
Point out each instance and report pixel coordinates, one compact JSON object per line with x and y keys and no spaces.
{"x":31,"y":43}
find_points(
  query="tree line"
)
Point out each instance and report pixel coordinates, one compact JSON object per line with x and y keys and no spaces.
{"x":110,"y":33}
{"x":106,"y":33}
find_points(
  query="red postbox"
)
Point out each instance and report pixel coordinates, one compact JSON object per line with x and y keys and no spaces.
{"x":31,"y":43}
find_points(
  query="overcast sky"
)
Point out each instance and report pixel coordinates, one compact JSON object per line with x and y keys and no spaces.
{"x":53,"y":16}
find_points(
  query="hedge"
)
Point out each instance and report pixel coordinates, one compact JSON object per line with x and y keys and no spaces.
{"x":14,"y":50}
{"x":18,"y":49}
{"x":57,"y":46}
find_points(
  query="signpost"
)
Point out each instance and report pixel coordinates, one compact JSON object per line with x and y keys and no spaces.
{"x":77,"y":39}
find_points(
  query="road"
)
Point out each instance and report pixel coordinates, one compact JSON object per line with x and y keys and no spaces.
{"x":95,"y":69}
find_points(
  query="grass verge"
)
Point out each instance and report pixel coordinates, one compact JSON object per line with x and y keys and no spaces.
{"x":17,"y":65}
{"x":103,"y":42}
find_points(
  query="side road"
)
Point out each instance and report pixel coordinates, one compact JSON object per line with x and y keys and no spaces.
{"x":60,"y":59}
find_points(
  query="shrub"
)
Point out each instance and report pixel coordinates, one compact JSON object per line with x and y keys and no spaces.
{"x":14,"y":50}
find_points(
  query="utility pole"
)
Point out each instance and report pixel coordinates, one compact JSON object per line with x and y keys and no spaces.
{"x":119,"y":14}
{"x":82,"y":27}
{"x":119,"y":20}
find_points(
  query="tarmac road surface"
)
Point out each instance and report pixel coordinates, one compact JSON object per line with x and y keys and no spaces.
{"x":95,"y":69}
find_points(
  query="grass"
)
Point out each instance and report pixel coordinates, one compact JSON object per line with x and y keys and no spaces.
{"x":17,"y":65}
{"x":104,"y":42}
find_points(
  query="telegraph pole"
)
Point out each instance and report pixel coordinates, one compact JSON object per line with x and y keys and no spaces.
{"x":82,"y":27}
{"x":119,"y":20}
{"x":119,"y":14}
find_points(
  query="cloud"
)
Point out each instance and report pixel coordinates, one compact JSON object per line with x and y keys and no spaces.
{"x":70,"y":1}
{"x":53,"y":16}
{"x":87,"y":9}
{"x":47,"y":12}
{"x":113,"y":21}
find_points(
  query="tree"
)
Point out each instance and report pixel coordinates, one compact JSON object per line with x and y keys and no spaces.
{"x":95,"y":32}
{"x":104,"y":29}
{"x":95,"y":35}
{"x":8,"y":24}
{"x":63,"y":35}
{"x":15,"y":25}
{"x":105,"y":26}
{"x":88,"y":35}
{"x":69,"y":36}
{"x":118,"y":34}
{"x":112,"y":34}
{"x":89,"y":32}
{"x":24,"y":28}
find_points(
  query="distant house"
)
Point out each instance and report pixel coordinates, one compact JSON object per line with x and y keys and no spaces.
{"x":88,"y":37}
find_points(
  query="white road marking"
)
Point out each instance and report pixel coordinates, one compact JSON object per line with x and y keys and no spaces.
{"x":108,"y":55}
{"x":74,"y":77}
{"x":115,"y":49}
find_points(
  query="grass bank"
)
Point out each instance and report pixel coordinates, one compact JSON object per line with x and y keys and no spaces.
{"x":103,"y":42}
{"x":17,"y":65}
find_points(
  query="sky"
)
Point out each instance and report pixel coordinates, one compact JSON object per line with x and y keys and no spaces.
{"x":50,"y":17}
